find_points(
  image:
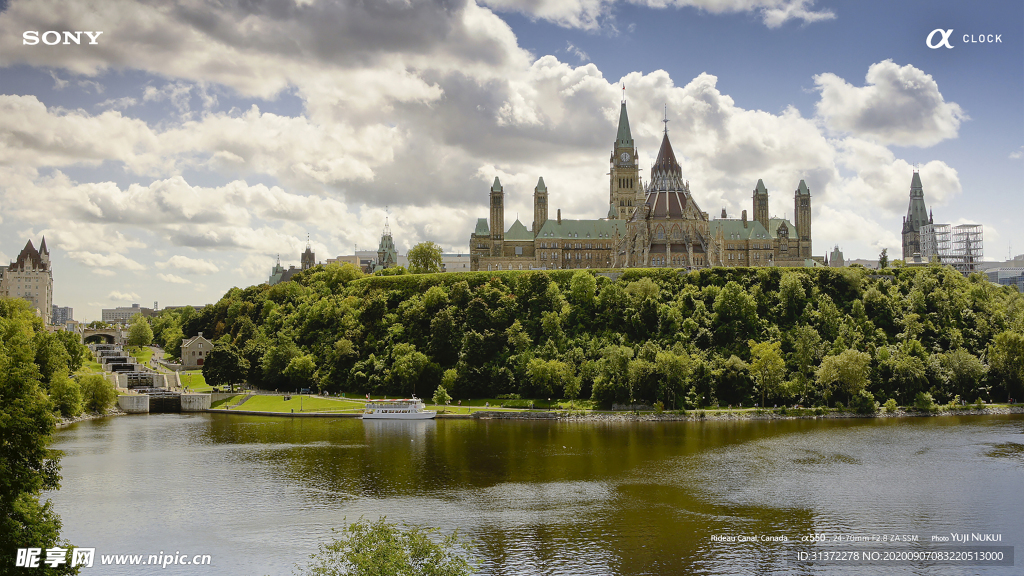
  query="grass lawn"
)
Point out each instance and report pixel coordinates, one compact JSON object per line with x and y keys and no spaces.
{"x":275,"y":403}
{"x":195,"y":381}
{"x":227,"y":401}
{"x":90,"y":366}
{"x":141,"y":353}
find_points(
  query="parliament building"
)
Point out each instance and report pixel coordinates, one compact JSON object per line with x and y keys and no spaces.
{"x":649,"y":224}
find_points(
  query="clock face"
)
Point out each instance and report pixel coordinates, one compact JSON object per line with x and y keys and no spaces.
{"x":624,"y":157}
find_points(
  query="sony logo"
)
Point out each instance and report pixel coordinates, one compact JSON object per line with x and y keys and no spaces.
{"x":52,"y":37}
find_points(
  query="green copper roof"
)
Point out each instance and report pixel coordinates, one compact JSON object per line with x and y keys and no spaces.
{"x":540,"y":185}
{"x":518,"y":233}
{"x":733,"y":229}
{"x":481,"y":227}
{"x":773,"y":228}
{"x":802,"y":189}
{"x":760,"y":189}
{"x":496,"y":187}
{"x":581,"y":229}
{"x":624,"y":138}
{"x":917,"y":212}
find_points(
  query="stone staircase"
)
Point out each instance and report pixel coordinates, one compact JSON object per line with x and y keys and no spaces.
{"x":240,"y":402}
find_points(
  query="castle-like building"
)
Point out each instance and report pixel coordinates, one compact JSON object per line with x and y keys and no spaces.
{"x":654,"y":225}
{"x":30,"y":277}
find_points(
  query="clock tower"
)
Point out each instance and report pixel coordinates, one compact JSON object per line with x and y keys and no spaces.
{"x":625,"y":187}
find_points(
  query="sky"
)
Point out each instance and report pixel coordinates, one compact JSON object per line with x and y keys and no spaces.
{"x":195,"y":141}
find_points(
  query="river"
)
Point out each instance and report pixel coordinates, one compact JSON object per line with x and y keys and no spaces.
{"x":546,"y":497}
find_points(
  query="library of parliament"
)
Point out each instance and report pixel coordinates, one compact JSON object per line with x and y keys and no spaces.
{"x":652,"y":223}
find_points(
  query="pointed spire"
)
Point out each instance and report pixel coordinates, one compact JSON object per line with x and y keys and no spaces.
{"x":760,"y":188}
{"x":666,"y":119}
{"x":496,"y":187}
{"x":42,"y":247}
{"x":624,"y":139}
{"x":666,"y":162}
{"x":915,"y":182}
{"x":540,"y":185}
{"x":802,"y":189}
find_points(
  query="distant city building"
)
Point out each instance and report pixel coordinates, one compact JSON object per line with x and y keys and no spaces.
{"x":835,"y":259}
{"x":123,"y":314}
{"x":1007,"y":277}
{"x":278,"y":273}
{"x":194,"y":351}
{"x":30,"y":277}
{"x":61,"y":315}
{"x":455,"y":262}
{"x":387,"y":254}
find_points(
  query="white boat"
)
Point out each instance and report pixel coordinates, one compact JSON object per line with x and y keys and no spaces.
{"x":408,"y":409}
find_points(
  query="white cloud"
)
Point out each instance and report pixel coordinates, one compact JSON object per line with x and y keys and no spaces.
{"x":173,"y":279}
{"x":1017,"y":154}
{"x":593,"y":14}
{"x":189,"y":265}
{"x":899,"y":105}
{"x":106,"y":260}
{"x":103,"y":272}
{"x":123,"y":296}
{"x":118,"y":103}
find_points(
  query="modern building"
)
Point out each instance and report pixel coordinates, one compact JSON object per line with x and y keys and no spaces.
{"x":1007,"y":277}
{"x":657,"y":224}
{"x":30,"y":277}
{"x":456,"y":262}
{"x":61,"y":315}
{"x":123,"y":314}
{"x":194,"y":351}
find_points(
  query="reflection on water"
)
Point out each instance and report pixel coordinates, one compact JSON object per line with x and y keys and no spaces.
{"x":537,"y":497}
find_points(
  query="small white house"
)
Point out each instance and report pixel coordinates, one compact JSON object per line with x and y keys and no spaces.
{"x":194,"y":352}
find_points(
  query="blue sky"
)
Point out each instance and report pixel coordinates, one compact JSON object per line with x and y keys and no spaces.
{"x":195,"y":142}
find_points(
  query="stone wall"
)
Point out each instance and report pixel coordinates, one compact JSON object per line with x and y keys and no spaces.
{"x":195,"y":402}
{"x":134,"y":403}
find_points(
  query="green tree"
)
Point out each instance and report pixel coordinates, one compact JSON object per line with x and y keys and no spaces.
{"x":170,"y":340}
{"x":140,"y":333}
{"x":66,"y":395}
{"x":883,"y":259}
{"x":384,"y":548}
{"x":847,"y":371}
{"x":1006,"y":360}
{"x":77,"y":352}
{"x":441,"y":396}
{"x":425,"y":258}
{"x":225,"y":365}
{"x":98,"y":393}
{"x":767,"y":367}
{"x":27,"y":465}
{"x":51,"y":356}
{"x":300,"y":371}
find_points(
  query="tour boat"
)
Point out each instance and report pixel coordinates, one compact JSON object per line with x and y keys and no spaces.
{"x":408,"y":409}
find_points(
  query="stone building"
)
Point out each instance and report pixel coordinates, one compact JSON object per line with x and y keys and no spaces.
{"x":652,"y":224}
{"x":194,"y":351}
{"x":765,"y":240}
{"x":30,"y":277}
{"x":917,"y":216}
{"x":668,"y":229}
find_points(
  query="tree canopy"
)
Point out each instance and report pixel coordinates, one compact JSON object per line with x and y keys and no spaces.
{"x":425,"y":258}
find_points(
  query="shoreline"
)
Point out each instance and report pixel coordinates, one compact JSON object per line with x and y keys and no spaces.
{"x":692,"y":415}
{"x":115,"y":411}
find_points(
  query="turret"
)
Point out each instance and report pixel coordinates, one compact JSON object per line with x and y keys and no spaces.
{"x":497,"y":217}
{"x":761,"y":203}
{"x":624,"y":175}
{"x":540,"y":206}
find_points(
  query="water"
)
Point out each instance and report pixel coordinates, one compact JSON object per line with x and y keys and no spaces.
{"x":546,"y":497}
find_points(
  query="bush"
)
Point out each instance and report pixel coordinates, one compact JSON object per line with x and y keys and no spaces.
{"x":441,"y":396}
{"x":924,"y":402}
{"x":66,"y":395}
{"x":890,"y":405}
{"x":98,"y":393}
{"x":979,"y":404}
{"x":864,"y":403}
{"x":659,"y":407}
{"x":383,"y":547}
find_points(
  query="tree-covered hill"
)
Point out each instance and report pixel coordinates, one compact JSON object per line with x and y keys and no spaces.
{"x":722,"y":335}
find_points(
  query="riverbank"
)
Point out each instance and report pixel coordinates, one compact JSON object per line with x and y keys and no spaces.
{"x":115,"y":411}
{"x":776,"y":414}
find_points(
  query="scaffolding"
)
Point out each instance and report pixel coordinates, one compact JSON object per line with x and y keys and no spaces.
{"x":935,"y":242}
{"x":968,"y":247}
{"x":961,"y":247}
